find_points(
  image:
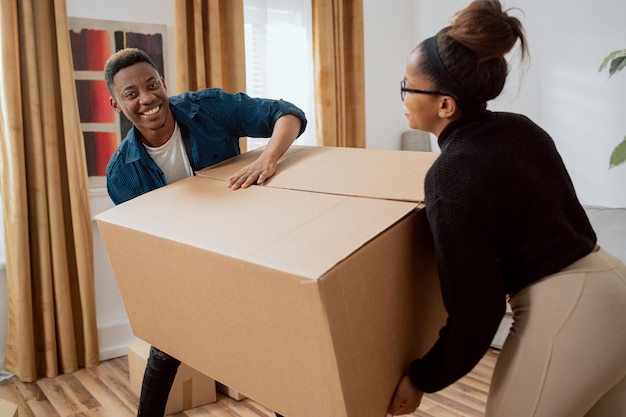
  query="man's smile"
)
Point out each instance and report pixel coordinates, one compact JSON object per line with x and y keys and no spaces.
{"x":152,"y":111}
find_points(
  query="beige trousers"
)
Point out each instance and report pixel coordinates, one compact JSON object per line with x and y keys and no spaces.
{"x":565,"y":355}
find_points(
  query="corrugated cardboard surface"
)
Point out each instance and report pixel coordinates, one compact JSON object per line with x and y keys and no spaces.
{"x":266,"y":226}
{"x":385,"y":174}
{"x":190,"y":388}
{"x":310,"y":300}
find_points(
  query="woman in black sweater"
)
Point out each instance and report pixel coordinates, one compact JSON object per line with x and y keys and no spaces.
{"x":507,"y":225}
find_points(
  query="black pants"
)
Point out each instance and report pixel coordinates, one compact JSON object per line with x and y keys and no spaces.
{"x":157,"y":382}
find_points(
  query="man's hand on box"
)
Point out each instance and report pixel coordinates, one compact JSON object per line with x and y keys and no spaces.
{"x":255,"y":173}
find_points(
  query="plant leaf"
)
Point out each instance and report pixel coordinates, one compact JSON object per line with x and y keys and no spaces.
{"x":617,"y":64}
{"x":619,"y":154}
{"x":615,"y":61}
{"x":607,"y":59}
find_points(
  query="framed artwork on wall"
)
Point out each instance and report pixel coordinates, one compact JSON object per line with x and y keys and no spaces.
{"x":93,"y":41}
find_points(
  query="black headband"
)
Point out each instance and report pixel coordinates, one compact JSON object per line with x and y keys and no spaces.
{"x":448,"y":81}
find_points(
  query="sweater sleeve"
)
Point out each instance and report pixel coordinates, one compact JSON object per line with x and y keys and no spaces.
{"x":472,"y":292}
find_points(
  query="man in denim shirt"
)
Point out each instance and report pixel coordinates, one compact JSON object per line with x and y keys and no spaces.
{"x":174,"y":136}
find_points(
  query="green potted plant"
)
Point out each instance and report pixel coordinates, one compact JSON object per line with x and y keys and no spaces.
{"x":616,"y":61}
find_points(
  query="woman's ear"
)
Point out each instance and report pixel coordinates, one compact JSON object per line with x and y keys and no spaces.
{"x":448,"y":108}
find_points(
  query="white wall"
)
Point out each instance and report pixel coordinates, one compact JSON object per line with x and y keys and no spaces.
{"x":561,"y":91}
{"x":389,"y":28}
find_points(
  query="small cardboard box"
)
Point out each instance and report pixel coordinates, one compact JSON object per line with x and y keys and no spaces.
{"x":7,"y":409}
{"x":229,"y":392}
{"x":310,"y":294}
{"x":190,"y":389}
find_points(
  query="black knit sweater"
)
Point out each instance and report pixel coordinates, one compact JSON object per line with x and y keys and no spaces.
{"x":504,"y":214}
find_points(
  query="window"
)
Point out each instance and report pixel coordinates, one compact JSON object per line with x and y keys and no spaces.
{"x":279,"y":57}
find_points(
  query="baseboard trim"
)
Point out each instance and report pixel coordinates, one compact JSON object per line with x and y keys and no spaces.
{"x":114,"y":338}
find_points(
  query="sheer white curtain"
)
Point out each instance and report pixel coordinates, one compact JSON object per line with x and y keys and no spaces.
{"x":279,"y":57}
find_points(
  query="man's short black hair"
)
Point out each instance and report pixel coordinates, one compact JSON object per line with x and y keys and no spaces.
{"x":122,"y":59}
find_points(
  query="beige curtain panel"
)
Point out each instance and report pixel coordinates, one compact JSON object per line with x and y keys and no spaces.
{"x":210,"y":46}
{"x":210,"y":50}
{"x":48,"y":230}
{"x":339,"y":73}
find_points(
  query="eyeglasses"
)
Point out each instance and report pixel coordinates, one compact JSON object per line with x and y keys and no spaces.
{"x":404,"y":90}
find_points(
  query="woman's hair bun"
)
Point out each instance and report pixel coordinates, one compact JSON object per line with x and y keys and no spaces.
{"x":487,"y":30}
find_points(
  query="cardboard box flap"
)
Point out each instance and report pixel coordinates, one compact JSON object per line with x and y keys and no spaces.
{"x":307,"y":234}
{"x":385,"y":174}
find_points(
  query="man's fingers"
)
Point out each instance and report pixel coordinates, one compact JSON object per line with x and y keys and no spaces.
{"x":243,"y":181}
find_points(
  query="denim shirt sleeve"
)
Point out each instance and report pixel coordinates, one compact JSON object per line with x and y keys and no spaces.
{"x":216,"y":119}
{"x":258,"y":115}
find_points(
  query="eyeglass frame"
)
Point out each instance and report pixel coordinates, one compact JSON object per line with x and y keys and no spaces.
{"x":404,"y":90}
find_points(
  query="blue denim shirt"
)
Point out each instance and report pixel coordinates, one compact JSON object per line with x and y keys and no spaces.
{"x":213,"y":120}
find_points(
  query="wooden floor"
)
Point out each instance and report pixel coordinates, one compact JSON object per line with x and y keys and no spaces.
{"x":104,"y":391}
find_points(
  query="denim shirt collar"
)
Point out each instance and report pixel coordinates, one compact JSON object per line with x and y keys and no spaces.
{"x":135,"y":149}
{"x":182,"y":111}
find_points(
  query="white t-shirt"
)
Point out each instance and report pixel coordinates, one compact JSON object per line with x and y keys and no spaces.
{"x":172,"y":158}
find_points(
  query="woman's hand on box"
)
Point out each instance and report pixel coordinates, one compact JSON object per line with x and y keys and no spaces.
{"x":406,"y":399}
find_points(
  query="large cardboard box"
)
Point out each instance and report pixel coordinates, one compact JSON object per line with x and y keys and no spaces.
{"x":310,"y":294}
{"x":190,"y":388}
